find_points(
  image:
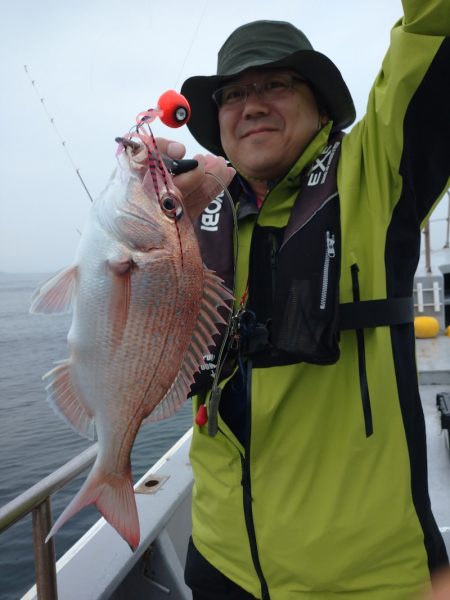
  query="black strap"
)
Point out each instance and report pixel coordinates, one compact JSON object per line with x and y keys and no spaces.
{"x":376,"y":313}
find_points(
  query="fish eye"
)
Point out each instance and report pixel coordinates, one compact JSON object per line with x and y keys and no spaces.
{"x":171,"y":207}
{"x":169,"y":204}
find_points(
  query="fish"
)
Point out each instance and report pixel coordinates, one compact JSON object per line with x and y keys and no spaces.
{"x":145,"y":310}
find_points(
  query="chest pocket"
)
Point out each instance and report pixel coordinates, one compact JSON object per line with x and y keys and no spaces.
{"x":306,"y":309}
{"x":293,"y":291}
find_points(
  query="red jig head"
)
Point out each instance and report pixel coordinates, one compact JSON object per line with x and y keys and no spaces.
{"x":175,"y":108}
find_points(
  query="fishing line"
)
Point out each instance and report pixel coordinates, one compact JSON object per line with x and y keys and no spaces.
{"x":220,"y":361}
{"x":61,"y":139}
{"x":191,"y":44}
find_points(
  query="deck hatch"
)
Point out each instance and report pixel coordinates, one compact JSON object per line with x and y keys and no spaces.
{"x":150,"y":485}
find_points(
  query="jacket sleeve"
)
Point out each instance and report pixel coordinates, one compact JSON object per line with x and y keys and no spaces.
{"x":405,"y":133}
{"x":427,"y":17}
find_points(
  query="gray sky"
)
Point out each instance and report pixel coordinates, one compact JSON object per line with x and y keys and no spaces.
{"x":98,"y":63}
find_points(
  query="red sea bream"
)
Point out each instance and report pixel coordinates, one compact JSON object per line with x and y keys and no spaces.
{"x":145,"y":309}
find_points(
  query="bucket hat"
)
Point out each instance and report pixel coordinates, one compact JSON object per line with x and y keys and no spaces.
{"x":265,"y":44}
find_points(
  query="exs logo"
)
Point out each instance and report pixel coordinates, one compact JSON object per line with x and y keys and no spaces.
{"x":319,"y":171}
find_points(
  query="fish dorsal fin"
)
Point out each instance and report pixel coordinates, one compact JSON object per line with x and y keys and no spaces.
{"x":215,"y":296}
{"x":65,"y":401}
{"x":56,"y":294}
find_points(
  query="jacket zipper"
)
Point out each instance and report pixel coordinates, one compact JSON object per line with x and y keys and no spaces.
{"x":247,"y":490}
{"x":330,"y":253}
{"x":365,"y":397}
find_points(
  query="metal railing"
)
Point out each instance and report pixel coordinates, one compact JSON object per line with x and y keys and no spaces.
{"x":37,"y":500}
{"x":427,"y":234}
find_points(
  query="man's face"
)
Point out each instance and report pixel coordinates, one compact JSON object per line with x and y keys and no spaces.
{"x":263,"y":137}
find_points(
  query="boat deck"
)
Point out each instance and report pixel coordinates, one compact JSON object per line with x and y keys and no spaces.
{"x":433,"y":361}
{"x":438,"y":458}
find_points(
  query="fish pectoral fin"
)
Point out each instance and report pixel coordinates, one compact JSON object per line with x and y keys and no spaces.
{"x":119,"y":302}
{"x":215,"y":296}
{"x":63,"y":398}
{"x":114,"y":498}
{"x":120,"y":266}
{"x":56,"y":294}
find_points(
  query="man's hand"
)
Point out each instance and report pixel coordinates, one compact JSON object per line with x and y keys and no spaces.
{"x":197,"y":187}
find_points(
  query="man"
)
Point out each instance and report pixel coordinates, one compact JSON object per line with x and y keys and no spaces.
{"x":310,"y":466}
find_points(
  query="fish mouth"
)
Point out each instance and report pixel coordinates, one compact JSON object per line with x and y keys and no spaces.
{"x":135,"y":146}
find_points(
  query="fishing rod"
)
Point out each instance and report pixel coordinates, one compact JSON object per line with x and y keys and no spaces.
{"x":61,"y":139}
{"x":174,"y":111}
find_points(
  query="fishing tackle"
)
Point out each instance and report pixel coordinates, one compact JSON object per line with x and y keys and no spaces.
{"x":174,"y":166}
{"x":172,"y":109}
{"x":175,"y":108}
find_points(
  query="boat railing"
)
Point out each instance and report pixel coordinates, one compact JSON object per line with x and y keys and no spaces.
{"x":37,"y":500}
{"x":427,"y":234}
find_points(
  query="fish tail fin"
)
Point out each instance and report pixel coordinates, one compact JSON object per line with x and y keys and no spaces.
{"x":114,"y":498}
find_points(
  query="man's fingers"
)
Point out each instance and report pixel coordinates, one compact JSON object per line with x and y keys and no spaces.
{"x":197,"y":186}
{"x":201,"y":185}
{"x":217,"y":165}
{"x":170,"y":148}
{"x":175,"y":150}
{"x":188,"y":182}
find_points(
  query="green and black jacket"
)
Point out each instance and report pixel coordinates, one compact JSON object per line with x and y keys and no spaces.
{"x":326,"y":497}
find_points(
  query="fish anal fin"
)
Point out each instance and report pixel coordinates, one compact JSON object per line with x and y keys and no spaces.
{"x":56,"y":294}
{"x":63,"y":398}
{"x":114,"y":498}
{"x":174,"y":399}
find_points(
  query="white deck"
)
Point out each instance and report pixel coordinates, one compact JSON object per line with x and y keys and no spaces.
{"x":438,"y":459}
{"x":433,"y":362}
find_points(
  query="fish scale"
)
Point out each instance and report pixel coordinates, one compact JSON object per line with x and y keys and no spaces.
{"x":145,"y":310}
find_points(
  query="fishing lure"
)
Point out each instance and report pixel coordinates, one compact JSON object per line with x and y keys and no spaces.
{"x":174,"y":111}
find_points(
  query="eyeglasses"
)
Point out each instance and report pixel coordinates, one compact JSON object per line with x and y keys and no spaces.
{"x":235,"y":94}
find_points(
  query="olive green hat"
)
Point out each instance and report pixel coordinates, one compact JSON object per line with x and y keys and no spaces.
{"x":269,"y":44}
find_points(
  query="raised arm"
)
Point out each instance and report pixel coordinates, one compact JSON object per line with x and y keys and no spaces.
{"x":406,"y":131}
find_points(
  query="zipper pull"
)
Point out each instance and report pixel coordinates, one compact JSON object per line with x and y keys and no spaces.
{"x":330,"y":245}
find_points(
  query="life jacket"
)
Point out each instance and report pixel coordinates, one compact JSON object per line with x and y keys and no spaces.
{"x":292,"y":313}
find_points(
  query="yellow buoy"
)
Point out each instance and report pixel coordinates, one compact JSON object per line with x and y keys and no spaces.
{"x":426,"y":327}
{"x":447,"y":331}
